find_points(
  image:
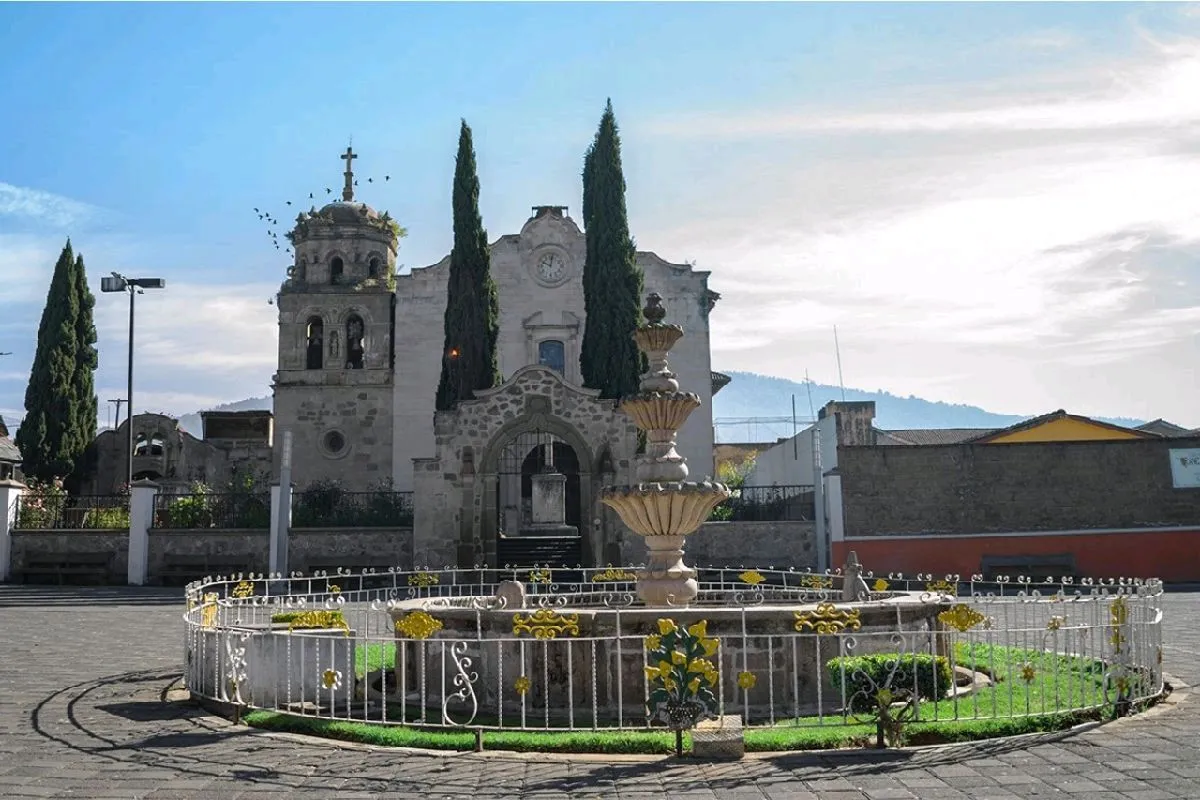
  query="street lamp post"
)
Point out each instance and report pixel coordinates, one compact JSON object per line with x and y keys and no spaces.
{"x":120,"y":283}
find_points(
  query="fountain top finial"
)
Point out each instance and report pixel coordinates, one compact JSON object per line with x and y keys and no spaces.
{"x":654,"y":311}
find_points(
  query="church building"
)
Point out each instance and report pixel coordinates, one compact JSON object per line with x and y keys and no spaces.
{"x":360,"y":353}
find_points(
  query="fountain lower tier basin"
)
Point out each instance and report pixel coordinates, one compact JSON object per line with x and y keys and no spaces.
{"x":577,"y":664}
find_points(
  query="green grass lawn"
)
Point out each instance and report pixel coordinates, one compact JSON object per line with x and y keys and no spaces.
{"x":1033,"y":691}
{"x":373,"y":656}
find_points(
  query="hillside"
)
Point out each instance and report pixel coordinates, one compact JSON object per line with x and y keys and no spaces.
{"x":761,"y":398}
{"x":192,"y":424}
{"x":750,"y":395}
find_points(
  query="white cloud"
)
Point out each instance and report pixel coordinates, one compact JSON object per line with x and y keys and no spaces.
{"x":219,"y":337}
{"x":1020,"y":248}
{"x":1158,"y":91}
{"x":34,"y":204}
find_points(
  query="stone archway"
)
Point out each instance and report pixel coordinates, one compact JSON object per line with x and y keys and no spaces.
{"x":457,"y":497}
{"x":515,"y":452}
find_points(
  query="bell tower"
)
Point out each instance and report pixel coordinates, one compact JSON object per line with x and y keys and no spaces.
{"x":333,"y":386}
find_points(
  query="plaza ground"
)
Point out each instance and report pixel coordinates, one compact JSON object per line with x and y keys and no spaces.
{"x":83,"y":674}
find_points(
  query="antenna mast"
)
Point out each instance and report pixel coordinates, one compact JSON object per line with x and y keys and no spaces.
{"x":838,"y":351}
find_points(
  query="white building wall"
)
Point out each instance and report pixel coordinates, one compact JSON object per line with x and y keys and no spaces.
{"x":787,"y":463}
{"x":531,"y":312}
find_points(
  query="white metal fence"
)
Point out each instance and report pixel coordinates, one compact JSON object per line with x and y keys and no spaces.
{"x":458,"y":648}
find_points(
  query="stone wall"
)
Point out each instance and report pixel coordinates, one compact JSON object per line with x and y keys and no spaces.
{"x":340,"y":418}
{"x":990,"y":488}
{"x":181,"y":460}
{"x":781,"y":545}
{"x":249,"y":549}
{"x":309,"y":548}
{"x":28,"y":546}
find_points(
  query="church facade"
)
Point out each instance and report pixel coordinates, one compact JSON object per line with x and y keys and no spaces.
{"x":360,"y":352}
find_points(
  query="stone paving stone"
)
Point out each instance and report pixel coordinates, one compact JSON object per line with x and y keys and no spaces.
{"x":95,"y":727}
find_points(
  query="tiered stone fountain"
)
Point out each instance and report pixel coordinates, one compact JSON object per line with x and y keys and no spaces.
{"x":663,"y":506}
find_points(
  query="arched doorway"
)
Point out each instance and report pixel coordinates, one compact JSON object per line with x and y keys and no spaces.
{"x":524,"y":456}
{"x":526,"y":449}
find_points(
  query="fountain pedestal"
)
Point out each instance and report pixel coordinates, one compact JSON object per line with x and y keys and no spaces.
{"x":664,"y":507}
{"x":666,"y":580}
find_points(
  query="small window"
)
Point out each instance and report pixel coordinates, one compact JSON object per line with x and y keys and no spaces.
{"x":315,"y":347}
{"x":552,"y":354}
{"x":373,"y":267}
{"x":336,"y":268}
{"x":335,"y":442}
{"x":141,"y":445}
{"x":354,"y":342}
{"x":156,"y":444}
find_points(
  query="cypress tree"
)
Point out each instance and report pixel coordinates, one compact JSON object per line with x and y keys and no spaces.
{"x":612,"y":281}
{"x":48,"y":439}
{"x":472,"y":321}
{"x":86,"y":361}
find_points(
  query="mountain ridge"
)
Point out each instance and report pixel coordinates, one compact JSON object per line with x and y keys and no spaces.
{"x":755,"y":407}
{"x":750,"y":395}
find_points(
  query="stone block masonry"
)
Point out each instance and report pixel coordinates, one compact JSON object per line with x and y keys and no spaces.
{"x":998,"y":488}
{"x":781,"y":545}
{"x":1094,"y":509}
{"x":235,"y":550}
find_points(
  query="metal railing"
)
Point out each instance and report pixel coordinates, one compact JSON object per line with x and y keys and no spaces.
{"x":197,"y":511}
{"x":444,"y":648}
{"x":767,"y":504}
{"x":77,"y":512}
{"x":322,"y":508}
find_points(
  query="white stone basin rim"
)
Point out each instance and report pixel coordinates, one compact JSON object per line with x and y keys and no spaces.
{"x":662,"y":411}
{"x":664,"y":509}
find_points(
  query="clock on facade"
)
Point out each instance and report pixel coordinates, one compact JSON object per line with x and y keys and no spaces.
{"x":551,"y":268}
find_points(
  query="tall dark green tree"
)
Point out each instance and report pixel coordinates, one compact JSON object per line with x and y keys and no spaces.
{"x":472,"y":322}
{"x":86,"y":361}
{"x":53,"y":434}
{"x":612,"y":281}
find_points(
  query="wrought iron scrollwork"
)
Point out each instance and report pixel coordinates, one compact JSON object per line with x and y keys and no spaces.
{"x":464,"y":682}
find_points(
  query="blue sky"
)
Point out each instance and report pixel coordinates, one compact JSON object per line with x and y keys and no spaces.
{"x":995,"y":203}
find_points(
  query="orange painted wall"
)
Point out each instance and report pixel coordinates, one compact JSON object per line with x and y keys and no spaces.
{"x":1066,"y":429}
{"x":1173,"y":556}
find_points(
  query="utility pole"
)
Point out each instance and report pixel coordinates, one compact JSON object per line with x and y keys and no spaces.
{"x":119,"y":401}
{"x":120,"y":283}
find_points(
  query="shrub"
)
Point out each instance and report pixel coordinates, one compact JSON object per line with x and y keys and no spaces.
{"x":309,"y":620}
{"x":41,"y":507}
{"x":111,"y":518}
{"x":866,"y":675}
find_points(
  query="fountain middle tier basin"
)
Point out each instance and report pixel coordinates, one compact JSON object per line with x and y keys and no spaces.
{"x":664,"y":509}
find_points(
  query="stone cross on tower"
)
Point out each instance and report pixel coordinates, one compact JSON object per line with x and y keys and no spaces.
{"x":348,"y":189}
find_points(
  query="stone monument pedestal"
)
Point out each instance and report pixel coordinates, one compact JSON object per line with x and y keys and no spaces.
{"x":549,"y":500}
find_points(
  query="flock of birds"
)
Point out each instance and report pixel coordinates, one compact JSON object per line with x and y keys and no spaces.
{"x":272,"y":222}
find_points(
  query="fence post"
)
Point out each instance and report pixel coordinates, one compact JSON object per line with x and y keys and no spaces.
{"x":281,"y":526}
{"x":141,"y":518}
{"x":10,"y":491}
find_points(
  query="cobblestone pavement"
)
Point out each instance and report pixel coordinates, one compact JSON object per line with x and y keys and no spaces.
{"x":83,"y":674}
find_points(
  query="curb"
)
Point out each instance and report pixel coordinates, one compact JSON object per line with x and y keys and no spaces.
{"x":1179,"y":694}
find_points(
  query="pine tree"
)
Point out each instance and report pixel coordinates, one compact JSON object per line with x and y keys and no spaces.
{"x":86,"y":361}
{"x":48,"y":438}
{"x":472,"y":321}
{"x":612,"y":281}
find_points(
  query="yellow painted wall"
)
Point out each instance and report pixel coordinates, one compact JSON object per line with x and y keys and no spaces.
{"x":1066,"y":429}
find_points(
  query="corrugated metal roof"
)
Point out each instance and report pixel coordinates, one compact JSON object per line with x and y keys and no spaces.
{"x":1163,"y":428}
{"x":930,"y":436}
{"x":9,"y":451}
